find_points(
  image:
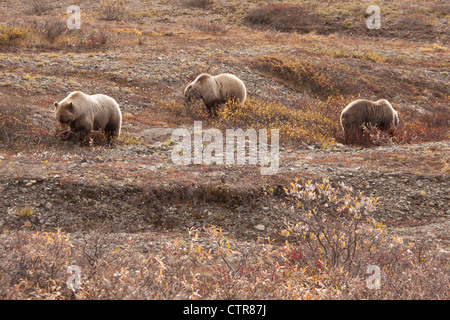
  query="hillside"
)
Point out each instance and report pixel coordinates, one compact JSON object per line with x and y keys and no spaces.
{"x":141,"y":227}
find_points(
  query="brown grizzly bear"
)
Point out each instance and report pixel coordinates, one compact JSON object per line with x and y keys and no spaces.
{"x":84,"y":113}
{"x":359,"y":112}
{"x":215,"y":90}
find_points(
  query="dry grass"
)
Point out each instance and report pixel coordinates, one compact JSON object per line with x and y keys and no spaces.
{"x":413,"y":128}
{"x":40,"y":7}
{"x":326,"y":244}
{"x":316,"y":122}
{"x":12,"y":35}
{"x":323,"y":252}
{"x":202,"y":4}
{"x":310,"y":121}
{"x":112,"y":10}
{"x":405,"y":20}
{"x":17,"y":131}
{"x":209,"y":26}
{"x":320,"y":78}
{"x":423,"y":127}
{"x":286,"y":17}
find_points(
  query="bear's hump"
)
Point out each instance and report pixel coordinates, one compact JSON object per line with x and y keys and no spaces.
{"x":203,"y":77}
{"x":76,"y":94}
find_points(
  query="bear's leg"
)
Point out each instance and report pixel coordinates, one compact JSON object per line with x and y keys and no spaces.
{"x":212,"y":109}
{"x":111,"y":131}
{"x":209,"y":108}
{"x":83,"y":128}
{"x":346,"y":136}
{"x":215,"y":109}
{"x":353,"y":134}
{"x":85,"y":137}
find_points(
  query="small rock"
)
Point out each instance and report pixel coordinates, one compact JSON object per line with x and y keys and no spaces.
{"x":30,"y":183}
{"x":242,"y":208}
{"x":260,"y":227}
{"x":48,"y":205}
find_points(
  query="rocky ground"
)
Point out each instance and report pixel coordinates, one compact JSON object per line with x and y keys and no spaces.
{"x":135,"y":189}
{"x":140,"y":190}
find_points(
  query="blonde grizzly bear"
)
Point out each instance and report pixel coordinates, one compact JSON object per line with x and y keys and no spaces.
{"x":84,"y":113}
{"x":215,"y":90}
{"x":379,"y":114}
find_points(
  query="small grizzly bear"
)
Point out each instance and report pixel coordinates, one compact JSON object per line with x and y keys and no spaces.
{"x":215,"y":90}
{"x":84,"y":113}
{"x":376,"y":113}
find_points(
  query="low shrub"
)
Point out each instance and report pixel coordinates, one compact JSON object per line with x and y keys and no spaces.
{"x":24,"y":213}
{"x":16,"y":130}
{"x":369,"y":135}
{"x":210,"y":26}
{"x":287,"y":18}
{"x":301,"y":125}
{"x":202,"y":4}
{"x":40,"y":7}
{"x":112,"y":10}
{"x":11,"y":35}
{"x":416,"y":127}
{"x":324,"y":252}
{"x":92,"y":39}
{"x":317,"y":122}
{"x":35,"y":266}
{"x":322,"y":79}
{"x":302,"y":122}
{"x":332,"y":235}
{"x":52,"y":29}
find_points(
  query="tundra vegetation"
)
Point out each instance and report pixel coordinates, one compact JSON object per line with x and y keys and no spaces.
{"x":140,"y":227}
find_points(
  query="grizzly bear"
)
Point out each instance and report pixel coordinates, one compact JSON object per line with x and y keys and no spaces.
{"x":379,"y":114}
{"x":215,"y":90}
{"x":84,"y":113}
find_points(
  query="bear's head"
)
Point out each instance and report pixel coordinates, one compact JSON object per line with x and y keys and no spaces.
{"x":65,"y":112}
{"x":198,"y":88}
{"x":191,"y":93}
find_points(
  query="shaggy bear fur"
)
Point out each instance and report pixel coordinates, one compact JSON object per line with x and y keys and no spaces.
{"x":215,"y":90}
{"x":379,"y":114}
{"x":84,"y":113}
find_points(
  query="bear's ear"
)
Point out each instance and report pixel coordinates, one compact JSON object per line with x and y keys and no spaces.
{"x":56,"y":104}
